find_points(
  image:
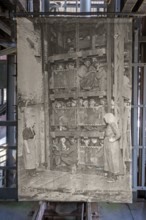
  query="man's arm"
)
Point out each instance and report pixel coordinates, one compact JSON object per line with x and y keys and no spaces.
{"x":26,"y":146}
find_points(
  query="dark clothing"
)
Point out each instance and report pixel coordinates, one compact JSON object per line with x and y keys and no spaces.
{"x":69,"y":156}
{"x":28,"y":133}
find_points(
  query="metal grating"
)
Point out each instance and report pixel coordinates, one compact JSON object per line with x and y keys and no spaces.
{"x":139,"y":118}
{"x":8,"y":153}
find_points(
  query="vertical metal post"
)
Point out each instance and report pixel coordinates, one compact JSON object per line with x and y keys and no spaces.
{"x":85,"y":5}
{"x":117,"y":5}
{"x":88,"y":211}
{"x":65,"y":5}
{"x":30,"y":5}
{"x":42,"y":6}
{"x":76,"y":5}
{"x":143,"y":129}
{"x":36,"y":5}
{"x":46,"y":5}
{"x":135,"y":111}
{"x":11,"y":140}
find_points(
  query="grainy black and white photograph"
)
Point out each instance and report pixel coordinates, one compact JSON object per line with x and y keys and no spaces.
{"x":74,"y":109}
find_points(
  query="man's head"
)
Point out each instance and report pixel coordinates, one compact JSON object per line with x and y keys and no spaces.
{"x":87,"y":62}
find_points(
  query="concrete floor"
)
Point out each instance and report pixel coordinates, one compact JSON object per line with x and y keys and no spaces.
{"x":17,"y":210}
{"x":72,"y":187}
{"x":135,"y":211}
{"x":21,"y":210}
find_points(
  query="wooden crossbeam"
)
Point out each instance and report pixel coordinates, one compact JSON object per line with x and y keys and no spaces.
{"x":142,"y":8}
{"x":129,"y":5}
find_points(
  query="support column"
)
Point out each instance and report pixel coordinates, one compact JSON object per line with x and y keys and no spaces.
{"x":30,"y":5}
{"x":44,"y":5}
{"x":85,"y":5}
{"x":11,"y":134}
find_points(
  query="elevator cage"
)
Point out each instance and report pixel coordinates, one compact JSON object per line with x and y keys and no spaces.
{"x":8,"y":102}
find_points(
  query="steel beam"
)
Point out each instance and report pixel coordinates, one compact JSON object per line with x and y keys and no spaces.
{"x":143,"y":129}
{"x":8,"y":123}
{"x":7,"y":44}
{"x":85,"y":6}
{"x":8,"y":51}
{"x":22,"y":4}
{"x":135,"y":113}
{"x":11,"y":136}
{"x":8,"y":193}
{"x":30,"y":5}
{"x":5,"y":28}
{"x":117,"y":5}
{"x":142,"y":8}
{"x":129,"y":5}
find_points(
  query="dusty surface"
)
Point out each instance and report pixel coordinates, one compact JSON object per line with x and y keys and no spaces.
{"x":62,"y":186}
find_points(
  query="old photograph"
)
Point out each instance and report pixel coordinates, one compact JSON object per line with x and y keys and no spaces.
{"x":74,"y":109}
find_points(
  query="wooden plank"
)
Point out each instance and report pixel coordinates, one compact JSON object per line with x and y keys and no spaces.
{"x":79,"y":133}
{"x":75,"y":55}
{"x":142,"y":8}
{"x":81,"y":94}
{"x":129,"y":5}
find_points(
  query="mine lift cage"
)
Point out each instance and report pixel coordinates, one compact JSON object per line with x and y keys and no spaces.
{"x":8,"y":103}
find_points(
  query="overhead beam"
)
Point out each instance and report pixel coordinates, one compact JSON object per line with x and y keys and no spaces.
{"x":8,"y":4}
{"x":3,"y":13}
{"x":5,"y":43}
{"x":142,"y":8}
{"x":9,"y":50}
{"x":5,"y":28}
{"x":22,"y":4}
{"x":129,"y":5}
{"x":110,"y":6}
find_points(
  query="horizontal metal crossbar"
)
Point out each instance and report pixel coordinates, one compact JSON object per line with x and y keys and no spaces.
{"x":8,"y":123}
{"x":8,"y":193}
{"x":120,"y":14}
{"x":8,"y":147}
{"x":8,"y":167}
